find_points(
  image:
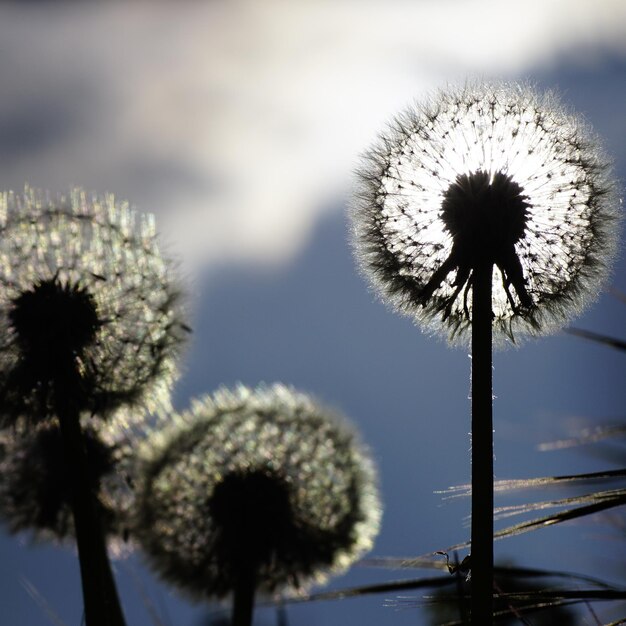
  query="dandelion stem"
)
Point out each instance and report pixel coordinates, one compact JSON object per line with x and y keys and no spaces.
{"x":243,"y":598}
{"x":482,"y":448}
{"x":460,"y":592}
{"x":102,"y":605}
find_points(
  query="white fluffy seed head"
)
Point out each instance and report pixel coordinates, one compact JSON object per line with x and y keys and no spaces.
{"x":103,"y":255}
{"x":36,"y":487}
{"x":298,"y":490}
{"x":519,"y":141}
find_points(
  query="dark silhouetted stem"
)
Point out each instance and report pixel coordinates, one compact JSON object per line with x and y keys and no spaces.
{"x":243,"y":599}
{"x":102,"y":605}
{"x":460,"y":591}
{"x":482,"y":448}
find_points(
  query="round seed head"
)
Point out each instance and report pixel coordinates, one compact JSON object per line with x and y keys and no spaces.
{"x":88,"y":312}
{"x":495,"y":175}
{"x":36,"y":484}
{"x":263,"y":481}
{"x":35,"y":490}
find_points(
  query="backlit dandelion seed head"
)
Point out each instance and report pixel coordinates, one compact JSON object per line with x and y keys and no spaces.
{"x":487,"y":173}
{"x":260,"y":479}
{"x":83,"y":288}
{"x":36,"y":485}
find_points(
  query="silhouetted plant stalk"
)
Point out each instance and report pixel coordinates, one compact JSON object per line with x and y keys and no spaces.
{"x":487,"y":212}
{"x":89,"y":324}
{"x":482,"y":446}
{"x":243,"y":597}
{"x":102,"y":604}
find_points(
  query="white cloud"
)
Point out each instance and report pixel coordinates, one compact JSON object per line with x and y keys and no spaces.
{"x":239,"y":121}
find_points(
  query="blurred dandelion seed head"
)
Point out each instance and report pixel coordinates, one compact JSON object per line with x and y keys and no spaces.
{"x":84,"y":288}
{"x":263,"y":479}
{"x":35,"y":488}
{"x":490,"y":173}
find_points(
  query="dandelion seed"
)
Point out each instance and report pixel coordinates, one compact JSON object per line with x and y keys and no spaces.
{"x":494,"y":174}
{"x":88,"y":311}
{"x":263,"y":481}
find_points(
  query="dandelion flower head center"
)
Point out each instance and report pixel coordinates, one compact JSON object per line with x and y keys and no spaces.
{"x":252,"y":512}
{"x":53,"y":322}
{"x":483,"y":216}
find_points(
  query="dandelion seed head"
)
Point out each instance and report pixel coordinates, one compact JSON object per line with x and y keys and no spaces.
{"x":36,"y":484}
{"x":84,"y":288}
{"x":487,"y":173}
{"x":263,"y":479}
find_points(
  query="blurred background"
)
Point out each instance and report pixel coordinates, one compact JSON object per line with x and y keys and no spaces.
{"x":239,"y":123}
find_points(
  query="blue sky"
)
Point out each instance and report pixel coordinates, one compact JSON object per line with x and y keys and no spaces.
{"x":239,"y":124}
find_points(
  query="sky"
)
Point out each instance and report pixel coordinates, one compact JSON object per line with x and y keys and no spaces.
{"x":240,"y":125}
